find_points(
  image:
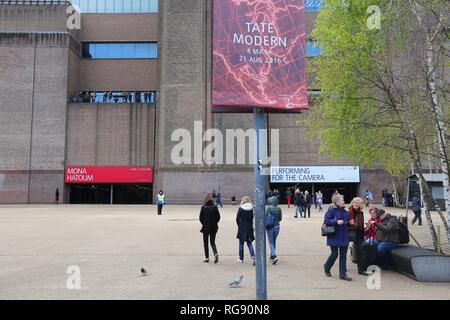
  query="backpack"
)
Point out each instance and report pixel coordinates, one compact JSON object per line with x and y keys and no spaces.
{"x":270,"y":220}
{"x":403,"y":233}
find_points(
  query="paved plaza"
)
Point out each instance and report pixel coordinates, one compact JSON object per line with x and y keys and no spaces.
{"x":111,"y":243}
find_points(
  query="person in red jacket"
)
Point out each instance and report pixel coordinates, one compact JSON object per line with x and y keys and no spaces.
{"x":370,"y":233}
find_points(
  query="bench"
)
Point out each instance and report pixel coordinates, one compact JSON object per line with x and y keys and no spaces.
{"x":420,"y":264}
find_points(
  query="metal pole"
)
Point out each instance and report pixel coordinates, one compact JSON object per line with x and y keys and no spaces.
{"x":112,"y":195}
{"x":260,"y":200}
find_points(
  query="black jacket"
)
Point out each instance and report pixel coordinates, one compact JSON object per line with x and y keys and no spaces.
{"x":209,"y":218}
{"x":244,"y":220}
{"x":299,"y":200}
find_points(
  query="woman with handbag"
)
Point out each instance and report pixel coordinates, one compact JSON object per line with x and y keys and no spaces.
{"x":356,"y":231}
{"x":337,"y":219}
{"x":209,"y":218}
{"x":244,"y":221}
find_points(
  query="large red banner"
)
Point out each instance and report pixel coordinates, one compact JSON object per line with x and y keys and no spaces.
{"x":259,"y":54}
{"x":95,"y":175}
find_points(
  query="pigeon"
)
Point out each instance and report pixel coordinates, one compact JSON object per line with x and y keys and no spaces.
{"x":143,"y":272}
{"x":236,"y":282}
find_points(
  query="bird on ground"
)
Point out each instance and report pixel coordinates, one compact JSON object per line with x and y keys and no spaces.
{"x":143,"y":272}
{"x":236,"y":282}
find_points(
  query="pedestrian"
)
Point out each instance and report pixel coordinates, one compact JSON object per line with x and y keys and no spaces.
{"x":244,"y":221}
{"x":303,"y":204}
{"x":308,"y":202}
{"x":315,"y":200}
{"x":219,"y":200}
{"x":289,"y":197}
{"x":273,"y":217}
{"x":298,"y":204}
{"x":387,"y":237}
{"x":160,"y":201}
{"x":209,"y":218}
{"x":338,"y":242}
{"x":356,"y":231}
{"x":57,"y":196}
{"x":368,"y":196}
{"x":417,"y":209}
{"x":214,"y":195}
{"x":320,"y":200}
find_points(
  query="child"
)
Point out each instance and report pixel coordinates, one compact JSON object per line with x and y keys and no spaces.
{"x":370,"y":234}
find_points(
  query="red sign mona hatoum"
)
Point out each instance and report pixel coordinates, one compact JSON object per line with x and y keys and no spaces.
{"x":259,"y":55}
{"x":97,"y":175}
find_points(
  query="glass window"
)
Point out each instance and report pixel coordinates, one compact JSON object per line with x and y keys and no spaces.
{"x":118,"y":6}
{"x":136,"y":6}
{"x":127,"y":5}
{"x":126,"y":50}
{"x":153,"y":6}
{"x":84,"y":4}
{"x":129,"y":51}
{"x":438,"y":192}
{"x":313,"y":5}
{"x":312,"y":48}
{"x":100,"y":51}
{"x":109,"y":6}
{"x":145,"y":6}
{"x":101,"y":5}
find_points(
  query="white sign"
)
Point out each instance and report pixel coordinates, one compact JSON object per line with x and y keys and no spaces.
{"x":347,"y":174}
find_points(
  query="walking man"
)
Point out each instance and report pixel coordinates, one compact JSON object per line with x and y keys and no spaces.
{"x":417,"y":209}
{"x":161,"y":201}
{"x":57,"y":196}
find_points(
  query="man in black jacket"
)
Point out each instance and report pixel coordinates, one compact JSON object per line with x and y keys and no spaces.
{"x":387,"y":237}
{"x":209,"y":218}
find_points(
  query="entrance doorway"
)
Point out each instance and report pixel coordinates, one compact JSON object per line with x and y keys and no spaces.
{"x":348,"y":190}
{"x":107,"y":194}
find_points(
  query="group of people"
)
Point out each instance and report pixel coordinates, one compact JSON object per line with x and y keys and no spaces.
{"x":115,"y":97}
{"x":381,"y":232}
{"x":210,"y":218}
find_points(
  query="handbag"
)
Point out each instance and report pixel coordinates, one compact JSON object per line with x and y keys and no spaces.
{"x":328,"y":230}
{"x":352,"y":236}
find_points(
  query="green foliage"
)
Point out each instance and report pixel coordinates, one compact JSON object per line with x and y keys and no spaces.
{"x":353,"y":119}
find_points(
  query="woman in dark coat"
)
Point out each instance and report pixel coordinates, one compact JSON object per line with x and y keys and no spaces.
{"x":244,"y":220}
{"x":337,"y":216}
{"x":356,"y":228}
{"x":209,"y":218}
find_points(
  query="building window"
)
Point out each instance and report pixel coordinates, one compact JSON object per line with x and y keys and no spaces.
{"x":313,"y":5}
{"x":312,"y":48}
{"x":116,"y":6}
{"x":125,"y":50}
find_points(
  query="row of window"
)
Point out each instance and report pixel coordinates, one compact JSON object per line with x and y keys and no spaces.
{"x":115,"y":97}
{"x":146,"y":6}
{"x":126,"y":50}
{"x":313,"y":5}
{"x":149,"y":50}
{"x":116,"y":6}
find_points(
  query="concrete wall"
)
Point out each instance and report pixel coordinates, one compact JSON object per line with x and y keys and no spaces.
{"x":110,"y":134}
{"x":117,"y":27}
{"x":118,"y":75}
{"x":33,"y":95}
{"x":27,"y":18}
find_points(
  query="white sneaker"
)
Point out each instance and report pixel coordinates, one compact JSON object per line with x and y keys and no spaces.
{"x":240,"y":261}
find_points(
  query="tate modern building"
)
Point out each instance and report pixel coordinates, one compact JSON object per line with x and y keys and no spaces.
{"x":93,"y":92}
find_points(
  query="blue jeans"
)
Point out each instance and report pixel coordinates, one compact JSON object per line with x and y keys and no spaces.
{"x":383,"y":250}
{"x":336,"y":252}
{"x":272,"y":235}
{"x":241,"y":249}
